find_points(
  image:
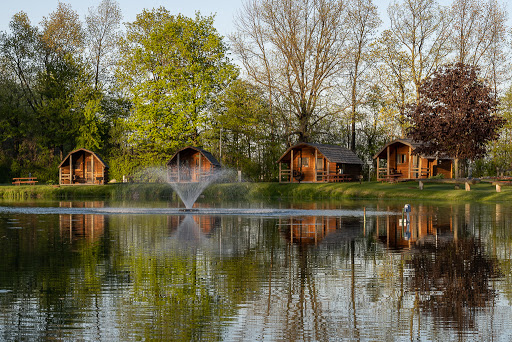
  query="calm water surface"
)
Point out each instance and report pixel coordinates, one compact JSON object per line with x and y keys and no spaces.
{"x":311,"y":271}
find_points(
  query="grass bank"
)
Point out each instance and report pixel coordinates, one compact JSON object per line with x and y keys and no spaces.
{"x":485,"y":192}
{"x":368,"y":190}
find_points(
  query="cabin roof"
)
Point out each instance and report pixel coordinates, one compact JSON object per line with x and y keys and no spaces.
{"x":84,"y":150}
{"x":404,"y":141}
{"x":411,"y":143}
{"x":333,"y":153}
{"x":205,"y":153}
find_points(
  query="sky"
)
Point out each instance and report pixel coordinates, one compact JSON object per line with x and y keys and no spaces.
{"x":225,"y":10}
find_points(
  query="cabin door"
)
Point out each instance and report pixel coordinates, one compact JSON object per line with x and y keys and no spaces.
{"x":89,"y":176}
{"x":320,"y":169}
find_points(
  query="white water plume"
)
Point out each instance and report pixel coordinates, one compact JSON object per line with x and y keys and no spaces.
{"x":188,"y":183}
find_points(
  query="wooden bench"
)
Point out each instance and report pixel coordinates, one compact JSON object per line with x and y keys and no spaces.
{"x":392,"y":178}
{"x":338,"y":178}
{"x":24,"y":180}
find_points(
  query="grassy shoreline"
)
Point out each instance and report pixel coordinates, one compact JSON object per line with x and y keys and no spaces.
{"x":484,"y":192}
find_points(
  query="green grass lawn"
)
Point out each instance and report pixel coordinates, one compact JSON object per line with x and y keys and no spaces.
{"x":375,"y":190}
{"x":245,"y":191}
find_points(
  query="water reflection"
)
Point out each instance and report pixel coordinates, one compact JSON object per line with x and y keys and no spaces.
{"x":445,"y":274}
{"x":426,"y":224}
{"x":320,"y":229}
{"x":452,"y":279}
{"x":82,"y":226}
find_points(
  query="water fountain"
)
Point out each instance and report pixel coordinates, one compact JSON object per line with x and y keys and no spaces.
{"x":192,"y":184}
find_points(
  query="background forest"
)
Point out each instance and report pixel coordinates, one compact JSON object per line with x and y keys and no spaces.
{"x":293,"y":71}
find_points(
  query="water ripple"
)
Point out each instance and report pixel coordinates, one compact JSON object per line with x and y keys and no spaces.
{"x":202,"y":211}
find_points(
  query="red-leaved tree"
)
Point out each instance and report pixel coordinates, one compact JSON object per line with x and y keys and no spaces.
{"x":456,"y":115}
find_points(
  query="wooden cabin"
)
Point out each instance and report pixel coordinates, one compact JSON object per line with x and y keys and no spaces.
{"x":318,"y":163}
{"x":191,"y":164}
{"x":397,"y":161}
{"x":81,"y":167}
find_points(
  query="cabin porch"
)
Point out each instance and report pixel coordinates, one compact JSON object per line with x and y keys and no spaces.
{"x":82,"y":167}
{"x":397,"y":161}
{"x":309,"y":165}
{"x":191,"y":164}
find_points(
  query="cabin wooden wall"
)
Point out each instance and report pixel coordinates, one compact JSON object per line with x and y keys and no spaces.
{"x":396,"y":163}
{"x":434,"y":166}
{"x":83,"y":164}
{"x":206,"y":165}
{"x":191,"y":160}
{"x":309,"y":171}
{"x":324,"y":167}
{"x":189,"y":166}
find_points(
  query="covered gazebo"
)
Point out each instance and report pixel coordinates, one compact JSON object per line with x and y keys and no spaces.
{"x":397,"y":160}
{"x":309,"y":162}
{"x":81,"y":167}
{"x":191,"y":164}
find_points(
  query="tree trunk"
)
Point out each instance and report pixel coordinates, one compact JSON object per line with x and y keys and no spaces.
{"x":456,"y":168}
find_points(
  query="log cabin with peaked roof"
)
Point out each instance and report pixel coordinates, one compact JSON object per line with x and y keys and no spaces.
{"x":398,"y":161}
{"x":83,"y":167}
{"x":318,"y":163}
{"x":191,"y":164}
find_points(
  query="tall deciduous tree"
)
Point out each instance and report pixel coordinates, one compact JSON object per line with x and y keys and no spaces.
{"x":456,"y":115}
{"x":363,"y":20}
{"x":501,"y":149}
{"x":394,"y":74}
{"x":422,"y":28}
{"x":172,"y":68}
{"x":65,"y":82}
{"x":102,"y":34}
{"x":242,"y":132}
{"x":471,"y":31}
{"x":496,"y":66}
{"x":21,"y":56}
{"x":479,"y":36}
{"x":62,"y":32}
{"x":295,"y":50}
{"x":50,"y":70}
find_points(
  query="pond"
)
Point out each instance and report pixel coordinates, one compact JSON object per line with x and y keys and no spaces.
{"x":357,"y":271}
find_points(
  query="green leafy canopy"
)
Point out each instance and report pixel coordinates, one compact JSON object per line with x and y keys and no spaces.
{"x":173,"y":68}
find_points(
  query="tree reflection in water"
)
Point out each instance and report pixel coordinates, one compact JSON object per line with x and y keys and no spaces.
{"x":452,"y":280}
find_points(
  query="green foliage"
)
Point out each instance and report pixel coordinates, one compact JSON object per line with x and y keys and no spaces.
{"x":484,"y":168}
{"x":501,"y":149}
{"x":175,"y":85}
{"x":89,"y":136}
{"x":172,"y":68}
{"x":243,"y":133}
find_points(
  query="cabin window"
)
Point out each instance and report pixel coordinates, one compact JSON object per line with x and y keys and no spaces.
{"x":402,"y":158}
{"x":319,"y":164}
{"x":303,"y":161}
{"x":415,"y":161}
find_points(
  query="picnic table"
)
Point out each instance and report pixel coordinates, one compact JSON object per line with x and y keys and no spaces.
{"x":24,"y":180}
{"x":338,"y":178}
{"x":393,"y":177}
